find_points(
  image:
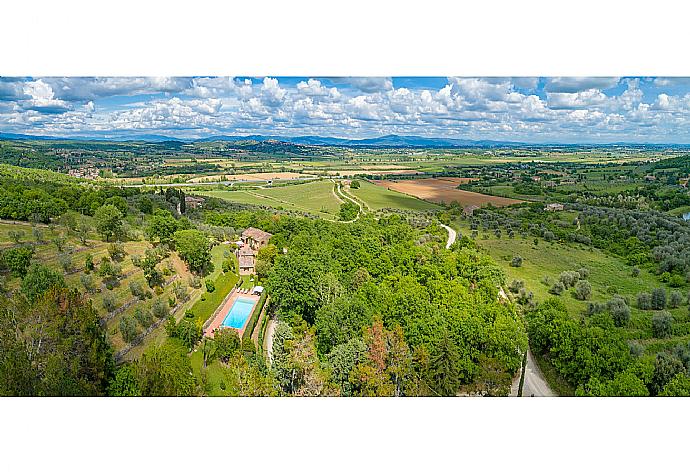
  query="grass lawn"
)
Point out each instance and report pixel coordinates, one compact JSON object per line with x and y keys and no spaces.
{"x":377,"y":197}
{"x":209,"y":301}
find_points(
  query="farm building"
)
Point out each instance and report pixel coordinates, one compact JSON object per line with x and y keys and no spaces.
{"x":554,"y":207}
{"x":469,"y":209}
{"x":193,"y":202}
{"x":255,"y":238}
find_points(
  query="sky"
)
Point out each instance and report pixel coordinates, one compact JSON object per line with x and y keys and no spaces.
{"x":526,"y":109}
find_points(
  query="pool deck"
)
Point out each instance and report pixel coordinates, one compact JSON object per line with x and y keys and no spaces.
{"x":222,"y":312}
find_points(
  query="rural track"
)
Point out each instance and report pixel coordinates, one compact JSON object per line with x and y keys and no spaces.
{"x":340,"y":195}
{"x":452,"y":235}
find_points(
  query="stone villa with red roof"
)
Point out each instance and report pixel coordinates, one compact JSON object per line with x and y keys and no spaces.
{"x":253,"y":239}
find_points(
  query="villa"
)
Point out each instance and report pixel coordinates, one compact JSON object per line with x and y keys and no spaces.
{"x":255,"y":238}
{"x":252,"y":240}
{"x":554,"y":207}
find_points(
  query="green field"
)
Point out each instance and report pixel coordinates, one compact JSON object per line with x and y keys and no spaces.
{"x":377,"y":198}
{"x":313,"y":197}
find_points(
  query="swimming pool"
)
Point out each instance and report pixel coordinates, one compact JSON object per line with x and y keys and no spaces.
{"x":239,"y":312}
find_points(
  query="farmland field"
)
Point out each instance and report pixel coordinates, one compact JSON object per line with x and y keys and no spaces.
{"x":444,"y":191}
{"x":313,"y":197}
{"x":377,"y":198}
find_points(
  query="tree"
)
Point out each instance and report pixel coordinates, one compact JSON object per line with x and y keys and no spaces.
{"x":644,"y":301}
{"x":109,"y":302}
{"x":16,"y":236}
{"x":620,"y":311}
{"x":87,"y":281}
{"x":118,"y":202}
{"x":675,"y":299}
{"x":160,"y":309}
{"x":342,"y":360}
{"x":39,"y":279}
{"x":583,"y":290}
{"x":53,"y":346}
{"x":678,"y":386}
{"x":227,"y":343}
{"x":60,"y":240}
{"x":17,"y":259}
{"x":128,"y":328}
{"x":666,"y":367}
{"x":143,"y":317}
{"x":162,"y":226}
{"x":108,"y":221}
{"x":136,"y":288}
{"x":194,"y":248}
{"x":445,"y":367}
{"x":662,"y":324}
{"x":557,"y":288}
{"x":125,"y":383}
{"x":165,"y":370}
{"x":189,"y":333}
{"x":516,"y":262}
{"x":658,"y":299}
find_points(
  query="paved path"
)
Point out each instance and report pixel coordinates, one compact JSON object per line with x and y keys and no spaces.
{"x":452,"y":235}
{"x":535,"y":385}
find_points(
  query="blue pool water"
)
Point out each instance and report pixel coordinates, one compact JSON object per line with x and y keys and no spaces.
{"x":239,"y":312}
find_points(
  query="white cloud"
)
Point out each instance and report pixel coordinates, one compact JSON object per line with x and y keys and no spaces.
{"x":578,"y":84}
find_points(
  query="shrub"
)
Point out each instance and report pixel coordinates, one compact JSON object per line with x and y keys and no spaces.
{"x":636,"y":349}
{"x":583,"y":290}
{"x":662,"y":324}
{"x":549,"y":236}
{"x":584,"y":272}
{"x":557,"y":288}
{"x":210,"y":286}
{"x":516,"y":262}
{"x":635,"y":272}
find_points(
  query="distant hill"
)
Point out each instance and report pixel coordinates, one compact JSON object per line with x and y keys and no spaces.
{"x":387,"y":141}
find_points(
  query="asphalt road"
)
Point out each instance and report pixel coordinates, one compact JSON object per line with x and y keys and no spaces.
{"x":535,"y":385}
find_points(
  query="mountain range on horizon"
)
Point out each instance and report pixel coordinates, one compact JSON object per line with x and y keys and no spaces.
{"x":385,"y":141}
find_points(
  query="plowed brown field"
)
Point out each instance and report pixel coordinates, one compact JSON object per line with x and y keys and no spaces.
{"x":444,"y":190}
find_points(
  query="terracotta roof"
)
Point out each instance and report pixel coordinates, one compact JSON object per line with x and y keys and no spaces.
{"x":256,"y":234}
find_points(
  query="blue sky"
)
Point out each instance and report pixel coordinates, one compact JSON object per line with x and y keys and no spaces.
{"x":529,"y":109}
